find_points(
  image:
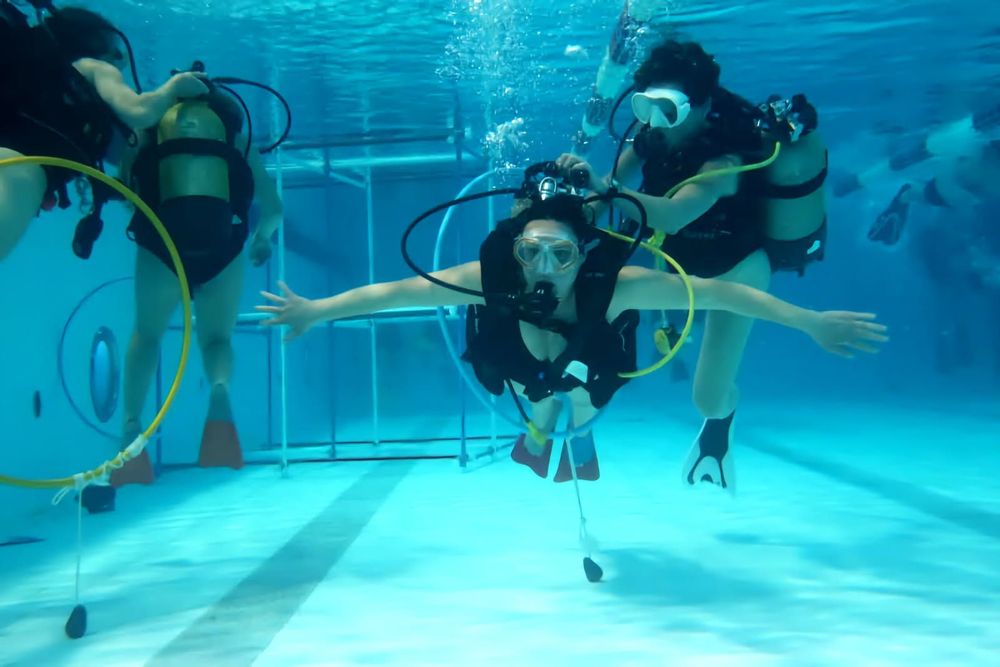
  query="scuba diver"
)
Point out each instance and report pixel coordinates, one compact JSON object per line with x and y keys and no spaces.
{"x":948,"y":176}
{"x":633,"y":19}
{"x":961,"y":182}
{"x":963,"y":155}
{"x":720,"y":207}
{"x":957,"y":247}
{"x":62,"y":95}
{"x":553,"y":310}
{"x":196,"y":170}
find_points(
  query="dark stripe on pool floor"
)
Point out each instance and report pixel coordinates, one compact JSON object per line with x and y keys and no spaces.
{"x":913,"y":496}
{"x":237,"y":629}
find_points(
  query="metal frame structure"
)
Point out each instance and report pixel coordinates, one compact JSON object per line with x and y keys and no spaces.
{"x":357,"y":172}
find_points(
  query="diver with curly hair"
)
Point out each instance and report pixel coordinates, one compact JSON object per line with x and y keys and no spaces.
{"x":743,"y":217}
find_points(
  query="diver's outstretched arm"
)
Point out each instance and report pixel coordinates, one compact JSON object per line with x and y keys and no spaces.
{"x":300,"y":314}
{"x":138,"y":110}
{"x":839,"y":332}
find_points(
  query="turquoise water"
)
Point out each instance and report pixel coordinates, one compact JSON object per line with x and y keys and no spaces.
{"x":867,"y":524}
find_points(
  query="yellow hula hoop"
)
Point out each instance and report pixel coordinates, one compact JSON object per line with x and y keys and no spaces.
{"x":654,"y":247}
{"x":135,"y":448}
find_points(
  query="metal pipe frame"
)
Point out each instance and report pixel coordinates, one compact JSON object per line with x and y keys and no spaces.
{"x":245,"y":320}
{"x":396,"y":441}
{"x":321,"y":166}
{"x":327,"y":169}
{"x":368,"y":140}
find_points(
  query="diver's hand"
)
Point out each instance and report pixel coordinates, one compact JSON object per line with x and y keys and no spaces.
{"x":569,"y":163}
{"x":840,"y":332}
{"x":187,"y":84}
{"x":297,"y":313}
{"x":260,"y":250}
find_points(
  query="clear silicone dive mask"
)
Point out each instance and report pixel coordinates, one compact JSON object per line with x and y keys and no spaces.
{"x":545,"y":253}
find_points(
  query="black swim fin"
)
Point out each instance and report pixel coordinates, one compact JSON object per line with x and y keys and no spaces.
{"x":888,"y":226}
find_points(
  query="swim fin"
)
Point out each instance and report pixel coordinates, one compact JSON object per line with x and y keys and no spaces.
{"x":888,"y":226}
{"x":99,"y":496}
{"x":585,"y":457}
{"x":539,"y":463}
{"x":138,"y":470}
{"x":220,"y":443}
{"x":710,"y":458}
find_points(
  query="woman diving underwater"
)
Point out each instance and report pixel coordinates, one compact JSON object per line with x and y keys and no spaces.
{"x":568,"y":319}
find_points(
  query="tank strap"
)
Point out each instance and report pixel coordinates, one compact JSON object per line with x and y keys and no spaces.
{"x":241,"y":187}
{"x":195,"y":146}
{"x":772,"y":191}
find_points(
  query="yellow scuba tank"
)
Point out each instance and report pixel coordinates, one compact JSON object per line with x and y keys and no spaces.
{"x":192,"y":174}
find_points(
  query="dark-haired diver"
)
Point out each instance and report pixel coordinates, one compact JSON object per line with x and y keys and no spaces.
{"x":551,"y":250}
{"x":733,"y":224}
{"x":198,"y":173}
{"x":62,"y":95}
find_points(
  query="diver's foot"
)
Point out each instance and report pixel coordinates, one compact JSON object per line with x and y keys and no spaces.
{"x":710,"y":459}
{"x":585,"y":457}
{"x":219,"y":406}
{"x":138,"y":470}
{"x":98,"y":498}
{"x":539,"y":463}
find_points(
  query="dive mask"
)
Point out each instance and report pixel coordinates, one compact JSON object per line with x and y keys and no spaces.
{"x":661,"y":107}
{"x":546,"y":253}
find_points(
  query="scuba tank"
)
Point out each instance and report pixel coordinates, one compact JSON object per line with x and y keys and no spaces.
{"x":189,"y":152}
{"x":793,"y":196}
{"x":199,"y":169}
{"x":204,"y":127}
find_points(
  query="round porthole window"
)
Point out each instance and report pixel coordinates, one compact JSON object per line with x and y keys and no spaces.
{"x":104,"y":374}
